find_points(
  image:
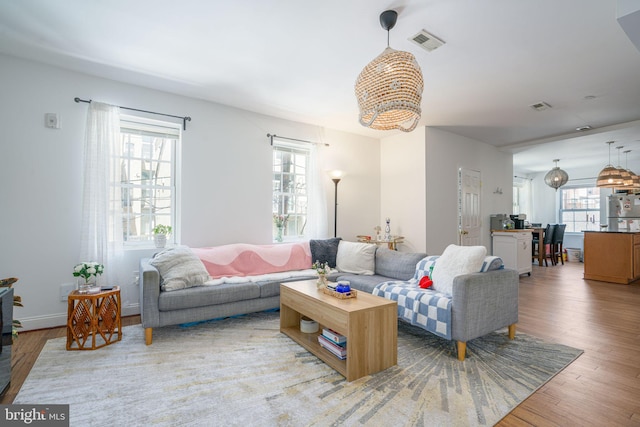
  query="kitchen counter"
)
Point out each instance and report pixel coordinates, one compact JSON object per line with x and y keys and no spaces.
{"x":612,"y":256}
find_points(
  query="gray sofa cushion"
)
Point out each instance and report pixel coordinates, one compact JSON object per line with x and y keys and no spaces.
{"x":207,"y":295}
{"x":397,"y":265}
{"x":325,"y":250}
{"x":362,"y":282}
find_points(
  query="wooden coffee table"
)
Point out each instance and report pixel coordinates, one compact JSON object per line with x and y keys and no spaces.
{"x":370,"y":324}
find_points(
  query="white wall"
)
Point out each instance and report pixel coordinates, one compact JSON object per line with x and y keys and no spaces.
{"x":403,"y":191}
{"x":226,"y":178}
{"x":446,"y":153}
{"x":420,"y":185}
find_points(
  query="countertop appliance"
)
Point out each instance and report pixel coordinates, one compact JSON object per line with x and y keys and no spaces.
{"x":624,"y":212}
{"x":499,"y":221}
{"x":518,"y":221}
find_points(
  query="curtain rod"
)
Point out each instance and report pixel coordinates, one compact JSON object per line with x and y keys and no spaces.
{"x":294,"y":139}
{"x":184,"y":119}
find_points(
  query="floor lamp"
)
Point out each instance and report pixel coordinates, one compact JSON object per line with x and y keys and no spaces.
{"x":336,"y":176}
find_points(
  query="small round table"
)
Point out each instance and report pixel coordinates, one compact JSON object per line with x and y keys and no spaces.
{"x":95,"y":316}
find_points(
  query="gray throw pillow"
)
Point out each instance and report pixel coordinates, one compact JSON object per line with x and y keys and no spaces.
{"x":325,"y":250}
{"x":179,"y":268}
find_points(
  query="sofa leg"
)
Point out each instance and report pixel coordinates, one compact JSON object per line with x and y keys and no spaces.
{"x":148,"y":335}
{"x":512,"y":331}
{"x":462,"y":349}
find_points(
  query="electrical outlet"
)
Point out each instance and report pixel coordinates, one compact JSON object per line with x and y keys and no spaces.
{"x":66,"y":289}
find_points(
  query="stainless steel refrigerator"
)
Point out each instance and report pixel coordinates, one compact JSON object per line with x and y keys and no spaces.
{"x":624,"y":212}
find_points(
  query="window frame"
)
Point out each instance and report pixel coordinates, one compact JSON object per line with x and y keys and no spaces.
{"x":295,"y":226}
{"x":561,"y":210}
{"x":135,"y":125}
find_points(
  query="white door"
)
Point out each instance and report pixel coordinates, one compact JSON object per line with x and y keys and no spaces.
{"x":469,"y":221}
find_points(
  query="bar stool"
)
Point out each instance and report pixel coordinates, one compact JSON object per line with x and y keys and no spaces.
{"x":556,"y":245}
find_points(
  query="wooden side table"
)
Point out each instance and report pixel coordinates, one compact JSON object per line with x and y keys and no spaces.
{"x":95,"y":316}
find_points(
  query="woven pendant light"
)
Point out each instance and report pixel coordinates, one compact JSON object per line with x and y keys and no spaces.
{"x":556,"y":177}
{"x":609,"y":177}
{"x":389,"y":88}
{"x":627,"y":181}
{"x":635,"y":179}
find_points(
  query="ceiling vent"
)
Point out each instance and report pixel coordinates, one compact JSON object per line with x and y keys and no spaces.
{"x":540,"y":106}
{"x":426,"y":41}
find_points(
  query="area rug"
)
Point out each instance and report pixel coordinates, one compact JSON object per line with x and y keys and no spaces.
{"x":242,"y":371}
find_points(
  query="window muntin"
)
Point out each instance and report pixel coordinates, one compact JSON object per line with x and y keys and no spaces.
{"x":580,"y":208}
{"x":290,"y":187}
{"x":148,"y":178}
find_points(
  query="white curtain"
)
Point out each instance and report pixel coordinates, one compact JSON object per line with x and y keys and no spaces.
{"x":316,"y":227}
{"x":101,"y":232}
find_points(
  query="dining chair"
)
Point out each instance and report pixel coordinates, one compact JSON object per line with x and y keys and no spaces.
{"x":556,"y":245}
{"x":539,"y":248}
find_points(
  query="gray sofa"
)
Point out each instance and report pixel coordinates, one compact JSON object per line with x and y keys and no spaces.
{"x":200,"y":303}
{"x":480,"y":302}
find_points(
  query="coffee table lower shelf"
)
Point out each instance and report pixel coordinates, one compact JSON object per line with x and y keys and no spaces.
{"x":310,"y":343}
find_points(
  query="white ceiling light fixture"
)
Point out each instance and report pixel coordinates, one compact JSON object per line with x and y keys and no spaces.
{"x":609,"y":177}
{"x":556,"y":177}
{"x":389,"y":88}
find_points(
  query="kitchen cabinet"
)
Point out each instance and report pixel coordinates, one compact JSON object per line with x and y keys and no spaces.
{"x":514,"y":247}
{"x":611,"y":256}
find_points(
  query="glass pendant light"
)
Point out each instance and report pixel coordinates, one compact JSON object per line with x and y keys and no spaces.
{"x":556,"y":177}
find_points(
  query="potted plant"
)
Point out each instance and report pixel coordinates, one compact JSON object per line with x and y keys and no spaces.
{"x":89,"y":272}
{"x":160,"y":233}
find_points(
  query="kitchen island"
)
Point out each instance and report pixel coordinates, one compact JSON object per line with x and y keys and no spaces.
{"x":612,"y":256}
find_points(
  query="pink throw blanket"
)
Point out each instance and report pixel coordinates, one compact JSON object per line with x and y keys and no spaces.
{"x":242,"y":259}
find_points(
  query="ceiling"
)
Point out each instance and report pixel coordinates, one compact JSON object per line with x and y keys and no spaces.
{"x":298,"y":60}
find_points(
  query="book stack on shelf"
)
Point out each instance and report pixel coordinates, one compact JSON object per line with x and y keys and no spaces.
{"x":334,"y":342}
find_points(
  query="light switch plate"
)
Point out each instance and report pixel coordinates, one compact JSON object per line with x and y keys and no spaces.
{"x":52,"y":121}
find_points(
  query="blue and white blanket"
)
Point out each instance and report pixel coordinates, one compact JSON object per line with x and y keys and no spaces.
{"x":425,"y":308}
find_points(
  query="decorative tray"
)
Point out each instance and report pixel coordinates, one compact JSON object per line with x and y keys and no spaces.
{"x":341,"y":295}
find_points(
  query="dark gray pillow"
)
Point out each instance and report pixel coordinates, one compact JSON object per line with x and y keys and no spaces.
{"x":325,"y":250}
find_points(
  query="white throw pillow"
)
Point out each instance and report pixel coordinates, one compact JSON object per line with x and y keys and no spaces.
{"x":455,"y":261}
{"x":179,"y":268}
{"x":356,"y":258}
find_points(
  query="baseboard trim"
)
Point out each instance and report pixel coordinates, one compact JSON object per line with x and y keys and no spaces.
{"x":60,"y":319}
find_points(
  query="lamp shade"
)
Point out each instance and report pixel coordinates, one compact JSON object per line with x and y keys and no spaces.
{"x":556,"y":177}
{"x":389,"y":92}
{"x":609,"y":177}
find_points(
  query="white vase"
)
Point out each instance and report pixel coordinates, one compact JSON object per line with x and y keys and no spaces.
{"x":160,"y":240}
{"x":322,"y":281}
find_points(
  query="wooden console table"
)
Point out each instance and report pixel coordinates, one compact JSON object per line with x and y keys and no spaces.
{"x":95,"y":316}
{"x":392,"y":242}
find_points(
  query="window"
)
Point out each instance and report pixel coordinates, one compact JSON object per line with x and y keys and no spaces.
{"x":580,"y":208}
{"x":290,"y":188}
{"x":521,"y":196}
{"x":148,"y":178}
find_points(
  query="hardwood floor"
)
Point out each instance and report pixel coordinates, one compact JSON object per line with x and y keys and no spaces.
{"x":602,"y":387}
